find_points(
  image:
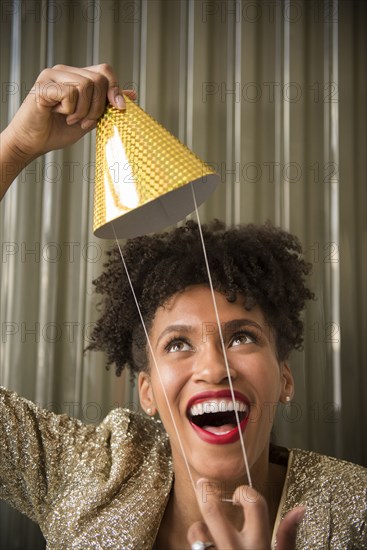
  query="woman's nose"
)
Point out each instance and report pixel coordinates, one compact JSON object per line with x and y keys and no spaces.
{"x":210,"y":365}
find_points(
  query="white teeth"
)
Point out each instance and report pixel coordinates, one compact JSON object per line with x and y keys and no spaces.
{"x":217,"y":405}
{"x":207,"y":407}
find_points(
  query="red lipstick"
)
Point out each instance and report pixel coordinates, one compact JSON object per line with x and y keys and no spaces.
{"x":218,"y":439}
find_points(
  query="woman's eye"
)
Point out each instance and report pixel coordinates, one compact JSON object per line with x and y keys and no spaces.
{"x":242,"y":338}
{"x":177,"y":345}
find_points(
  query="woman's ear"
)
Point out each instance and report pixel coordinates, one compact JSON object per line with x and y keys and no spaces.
{"x":287,"y":383}
{"x":146,"y":393}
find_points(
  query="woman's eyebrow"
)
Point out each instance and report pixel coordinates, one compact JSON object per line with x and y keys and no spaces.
{"x":228,"y":328}
{"x":237,"y":323}
{"x":174,"y":328}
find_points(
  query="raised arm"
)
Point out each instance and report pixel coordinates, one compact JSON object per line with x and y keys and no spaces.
{"x":63,"y":105}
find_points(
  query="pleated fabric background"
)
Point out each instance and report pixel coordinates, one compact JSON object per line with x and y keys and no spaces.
{"x":273,"y":94}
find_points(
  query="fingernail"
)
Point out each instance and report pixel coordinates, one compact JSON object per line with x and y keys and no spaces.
{"x":72,"y":120}
{"x":236,"y":501}
{"x":200,"y":481}
{"x":231,"y":501}
{"x":120,"y":102}
{"x":88,"y":124}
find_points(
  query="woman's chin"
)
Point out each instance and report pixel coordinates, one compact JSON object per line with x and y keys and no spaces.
{"x":231,"y":470}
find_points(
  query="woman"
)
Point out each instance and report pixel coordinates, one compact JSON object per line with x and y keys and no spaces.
{"x":125,"y":484}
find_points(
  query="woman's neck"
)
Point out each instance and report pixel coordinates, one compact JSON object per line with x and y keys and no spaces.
{"x":182,"y":509}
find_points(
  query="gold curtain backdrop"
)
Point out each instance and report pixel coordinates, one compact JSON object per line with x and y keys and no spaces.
{"x":273,"y":95}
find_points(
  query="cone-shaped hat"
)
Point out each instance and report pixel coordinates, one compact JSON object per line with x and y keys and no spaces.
{"x":143,"y":174}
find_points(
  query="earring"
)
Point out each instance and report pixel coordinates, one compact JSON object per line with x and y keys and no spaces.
{"x":288,"y":398}
{"x":149,"y":411}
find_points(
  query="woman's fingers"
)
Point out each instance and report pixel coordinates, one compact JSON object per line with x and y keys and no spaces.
{"x":92,"y":89}
{"x":113,"y":91}
{"x":80,"y":93}
{"x":51,"y":91}
{"x":64,"y":93}
{"x":100,"y":85}
{"x":106,"y":86}
{"x":63,"y":105}
{"x":255,"y":532}
{"x":287,"y":531}
{"x":199,"y":531}
{"x":224,"y":535}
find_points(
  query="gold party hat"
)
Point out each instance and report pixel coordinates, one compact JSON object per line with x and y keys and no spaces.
{"x":143,"y":175}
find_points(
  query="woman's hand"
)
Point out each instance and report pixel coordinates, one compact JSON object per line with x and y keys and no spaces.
{"x":255,"y":532}
{"x":63,"y":105}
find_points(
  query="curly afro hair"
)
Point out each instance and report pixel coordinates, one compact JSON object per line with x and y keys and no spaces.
{"x":263,"y":263}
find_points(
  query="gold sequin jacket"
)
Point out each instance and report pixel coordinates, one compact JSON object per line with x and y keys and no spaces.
{"x":107,"y":486}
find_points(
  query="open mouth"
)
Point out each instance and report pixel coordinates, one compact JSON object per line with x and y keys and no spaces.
{"x":213,"y":416}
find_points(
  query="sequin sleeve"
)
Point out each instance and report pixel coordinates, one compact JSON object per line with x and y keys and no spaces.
{"x":87,"y":486}
{"x":334,"y":493}
{"x":33,"y":444}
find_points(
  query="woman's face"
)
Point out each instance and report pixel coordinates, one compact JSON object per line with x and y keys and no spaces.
{"x":189,"y":363}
